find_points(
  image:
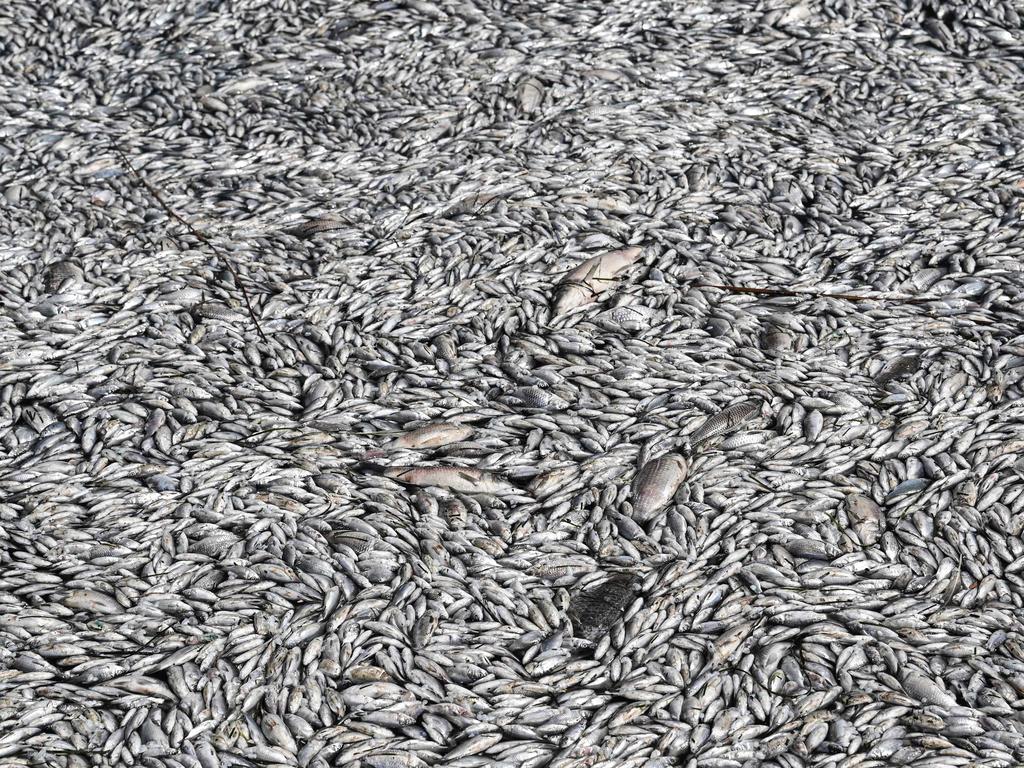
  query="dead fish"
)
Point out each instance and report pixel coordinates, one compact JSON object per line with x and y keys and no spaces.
{"x":776,"y":340}
{"x":927,"y":690}
{"x":357,"y":541}
{"x":722,"y":422}
{"x":904,"y":365}
{"x":594,"y":610}
{"x":534,"y":399}
{"x":460,"y":479}
{"x":56,"y":274}
{"x":393,"y":760}
{"x":91,"y":600}
{"x":866,"y":518}
{"x":628,"y":318}
{"x":433,"y":436}
{"x":531,"y":94}
{"x":655,"y":485}
{"x":583,"y":284}
{"x":312,"y":226}
{"x":907,"y":486}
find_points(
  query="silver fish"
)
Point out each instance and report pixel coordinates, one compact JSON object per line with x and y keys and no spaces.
{"x":722,"y":422}
{"x":461,"y":479}
{"x":584,"y":283}
{"x":656,"y":484}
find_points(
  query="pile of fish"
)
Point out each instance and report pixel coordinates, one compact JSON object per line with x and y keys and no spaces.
{"x":475,"y":383}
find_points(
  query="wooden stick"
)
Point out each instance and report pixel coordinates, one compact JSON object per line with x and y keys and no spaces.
{"x":196,"y":233}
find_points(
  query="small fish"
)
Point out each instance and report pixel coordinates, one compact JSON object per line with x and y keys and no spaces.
{"x":594,"y":610}
{"x":907,"y":486}
{"x":433,"y":436}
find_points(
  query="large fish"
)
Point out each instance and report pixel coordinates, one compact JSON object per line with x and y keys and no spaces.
{"x":655,"y":485}
{"x":583,"y":284}
{"x":433,"y":436}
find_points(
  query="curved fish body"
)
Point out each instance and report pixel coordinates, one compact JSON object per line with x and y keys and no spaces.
{"x":655,"y":485}
{"x":433,"y":436}
{"x":460,"y":479}
{"x":583,"y":284}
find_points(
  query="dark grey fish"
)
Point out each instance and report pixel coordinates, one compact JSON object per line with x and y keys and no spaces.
{"x":908,"y":486}
{"x":56,"y":274}
{"x":594,"y":610}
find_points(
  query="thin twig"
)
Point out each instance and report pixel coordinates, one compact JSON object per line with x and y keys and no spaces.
{"x":196,"y":233}
{"x":812,"y":294}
